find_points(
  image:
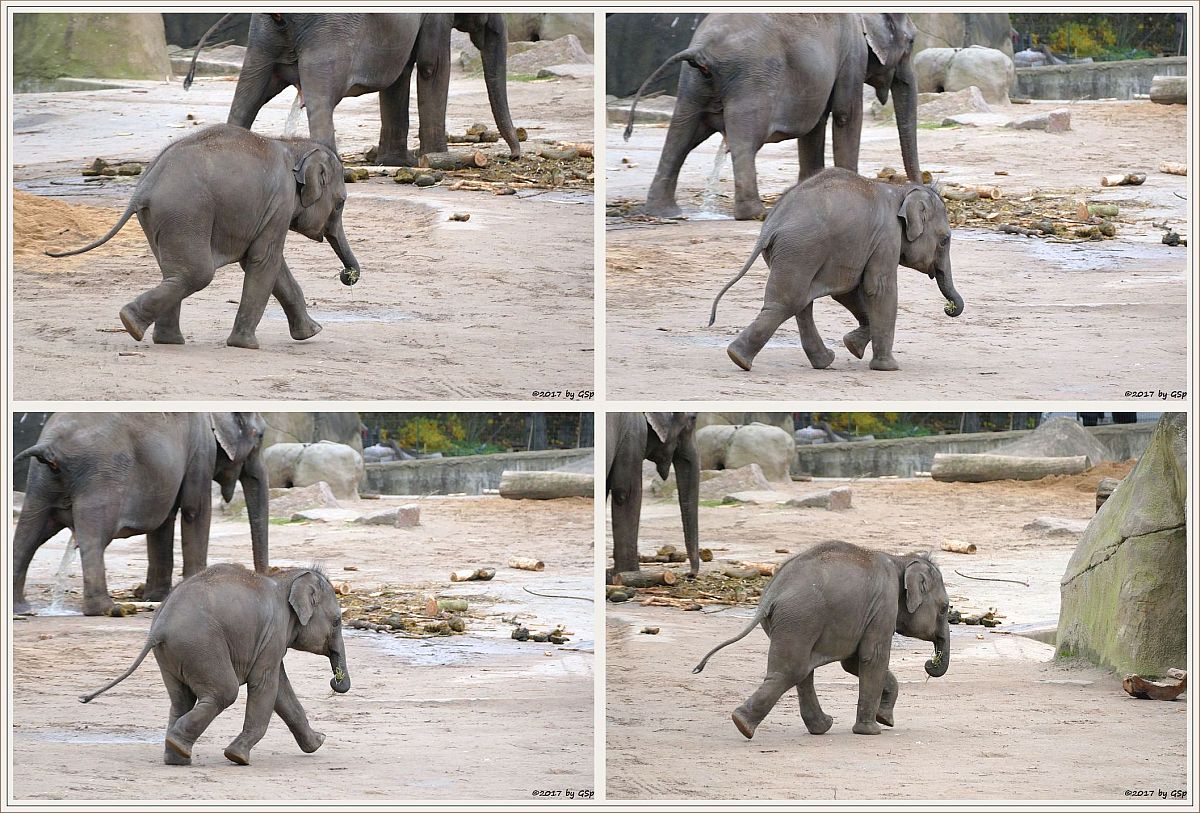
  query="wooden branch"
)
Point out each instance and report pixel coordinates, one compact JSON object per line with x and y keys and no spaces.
{"x":545,"y":485}
{"x":982,"y":468}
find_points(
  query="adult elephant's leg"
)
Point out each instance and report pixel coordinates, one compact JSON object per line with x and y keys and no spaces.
{"x":36,"y":525}
{"x":258,"y":83}
{"x":856,"y":341}
{"x":182,"y":701}
{"x":811,"y":150}
{"x":160,"y":554}
{"x":262,"y":689}
{"x":746,"y":130}
{"x":187,"y":267}
{"x":433,"y":90}
{"x":847,"y":113}
{"x":887,"y":699}
{"x":288,"y":707}
{"x":626,"y":517}
{"x":196,"y":520}
{"x":781,"y":676}
{"x":818,"y":354}
{"x":879,"y":288}
{"x":262,"y":267}
{"x":287,"y":291}
{"x":216,"y":688}
{"x":815,"y":719}
{"x":689,"y":128}
{"x":394,"y":123}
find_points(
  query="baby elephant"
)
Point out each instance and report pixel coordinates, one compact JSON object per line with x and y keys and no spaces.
{"x":226,"y":195}
{"x":838,"y":234}
{"x":227,"y":626}
{"x":840,"y":602}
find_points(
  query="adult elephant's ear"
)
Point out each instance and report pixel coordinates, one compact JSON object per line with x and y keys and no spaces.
{"x":303,"y":596}
{"x":660,"y":422}
{"x":312,"y":176}
{"x":237,"y":433}
{"x":888,"y":41}
{"x":916,"y":585}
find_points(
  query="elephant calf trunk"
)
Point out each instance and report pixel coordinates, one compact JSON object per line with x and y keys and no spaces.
{"x":937,"y":666}
{"x":340,"y":682}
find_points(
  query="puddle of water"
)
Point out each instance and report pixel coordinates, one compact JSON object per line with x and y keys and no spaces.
{"x":95,"y":738}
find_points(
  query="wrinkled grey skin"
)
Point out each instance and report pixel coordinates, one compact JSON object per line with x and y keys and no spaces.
{"x":841,"y":235}
{"x":840,"y":602}
{"x":330,"y":57}
{"x":226,"y":195}
{"x":228,"y":626}
{"x":762,"y":78}
{"x":111,"y":475}
{"x":668,"y":439}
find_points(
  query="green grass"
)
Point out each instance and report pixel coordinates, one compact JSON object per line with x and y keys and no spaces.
{"x":285,"y":521}
{"x":929,"y":125}
{"x":528,"y":77}
{"x":711,"y":503}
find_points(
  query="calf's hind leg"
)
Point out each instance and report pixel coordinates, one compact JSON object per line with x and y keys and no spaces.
{"x":856,"y":340}
{"x":187,"y":267}
{"x":781,"y":676}
{"x":819,"y":356}
{"x":182,"y":701}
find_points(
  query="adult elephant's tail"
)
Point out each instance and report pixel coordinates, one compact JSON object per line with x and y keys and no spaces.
{"x":191,"y":74}
{"x":150,"y":644}
{"x":758,"y":249}
{"x":758,"y":617}
{"x":689,"y":56}
{"x":129,"y":210}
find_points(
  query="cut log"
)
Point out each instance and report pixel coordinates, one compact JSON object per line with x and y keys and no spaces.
{"x":762,"y":568}
{"x":1172,"y":168}
{"x":669,"y":559}
{"x":1128,"y":179}
{"x":1169,"y":89}
{"x":433,"y":606}
{"x":958,"y":547}
{"x":523,"y":563}
{"x":545,"y":485}
{"x":982,"y":468}
{"x":650,"y":630}
{"x":583,"y":149}
{"x":743,"y":571}
{"x":481,"y":574}
{"x":453,"y":160}
{"x":558,"y":155}
{"x":646,"y":578}
{"x":1145,"y":689}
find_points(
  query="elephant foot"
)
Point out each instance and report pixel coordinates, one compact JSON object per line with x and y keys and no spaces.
{"x":167,"y":336}
{"x":248,"y":341}
{"x":886,"y":363}
{"x":134,"y":325}
{"x":821,"y":360}
{"x":867,"y":728}
{"x":20,"y":606}
{"x":856,"y":341}
{"x":396,"y":159}
{"x":173,"y":757}
{"x":305,"y":331}
{"x":749,"y":210}
{"x":181,"y":750}
{"x":886,"y":718}
{"x":311,"y":742}
{"x":820,"y":725}
{"x":737,"y":357}
{"x":236,"y":755}
{"x":744,"y":725}
{"x":98,"y":605}
{"x":662,"y":208}
{"x":155,"y":593}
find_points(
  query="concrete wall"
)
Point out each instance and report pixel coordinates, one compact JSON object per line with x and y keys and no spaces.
{"x":1096,"y":80}
{"x":470,"y":474}
{"x":906,"y":456}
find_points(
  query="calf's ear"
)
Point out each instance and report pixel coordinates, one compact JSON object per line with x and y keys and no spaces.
{"x":312,"y":176}
{"x":914,"y":211}
{"x":303,"y":596}
{"x":915,"y":586}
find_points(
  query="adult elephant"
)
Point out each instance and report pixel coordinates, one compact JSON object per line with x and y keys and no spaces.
{"x":114,"y":475}
{"x":668,"y":439}
{"x":329,"y":57}
{"x":763,"y":78}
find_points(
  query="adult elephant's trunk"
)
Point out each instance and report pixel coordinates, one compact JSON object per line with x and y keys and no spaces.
{"x":492,"y":42}
{"x":954,"y":303}
{"x":904,"y":98}
{"x":687,"y":478}
{"x":256,"y":489}
{"x":336,"y":235}
{"x":941,"y":653}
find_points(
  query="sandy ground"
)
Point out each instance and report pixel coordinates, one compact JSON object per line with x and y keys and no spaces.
{"x":436,"y":299}
{"x":1042,"y":320}
{"x":476,"y":716}
{"x":1007,"y":722}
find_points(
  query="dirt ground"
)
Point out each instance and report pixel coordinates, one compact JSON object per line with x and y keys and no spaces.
{"x":435,"y":301}
{"x":1007,"y":722}
{"x":472,"y":716}
{"x":1043,"y":320}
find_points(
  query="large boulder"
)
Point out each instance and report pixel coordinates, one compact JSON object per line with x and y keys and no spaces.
{"x":941,"y":70}
{"x":105,"y":46}
{"x":1057,"y":437}
{"x":783,"y":420}
{"x":303,"y":464}
{"x":962,"y":30}
{"x":732,"y":447}
{"x":311,"y":427}
{"x":544,"y":26}
{"x":1124,"y":593}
